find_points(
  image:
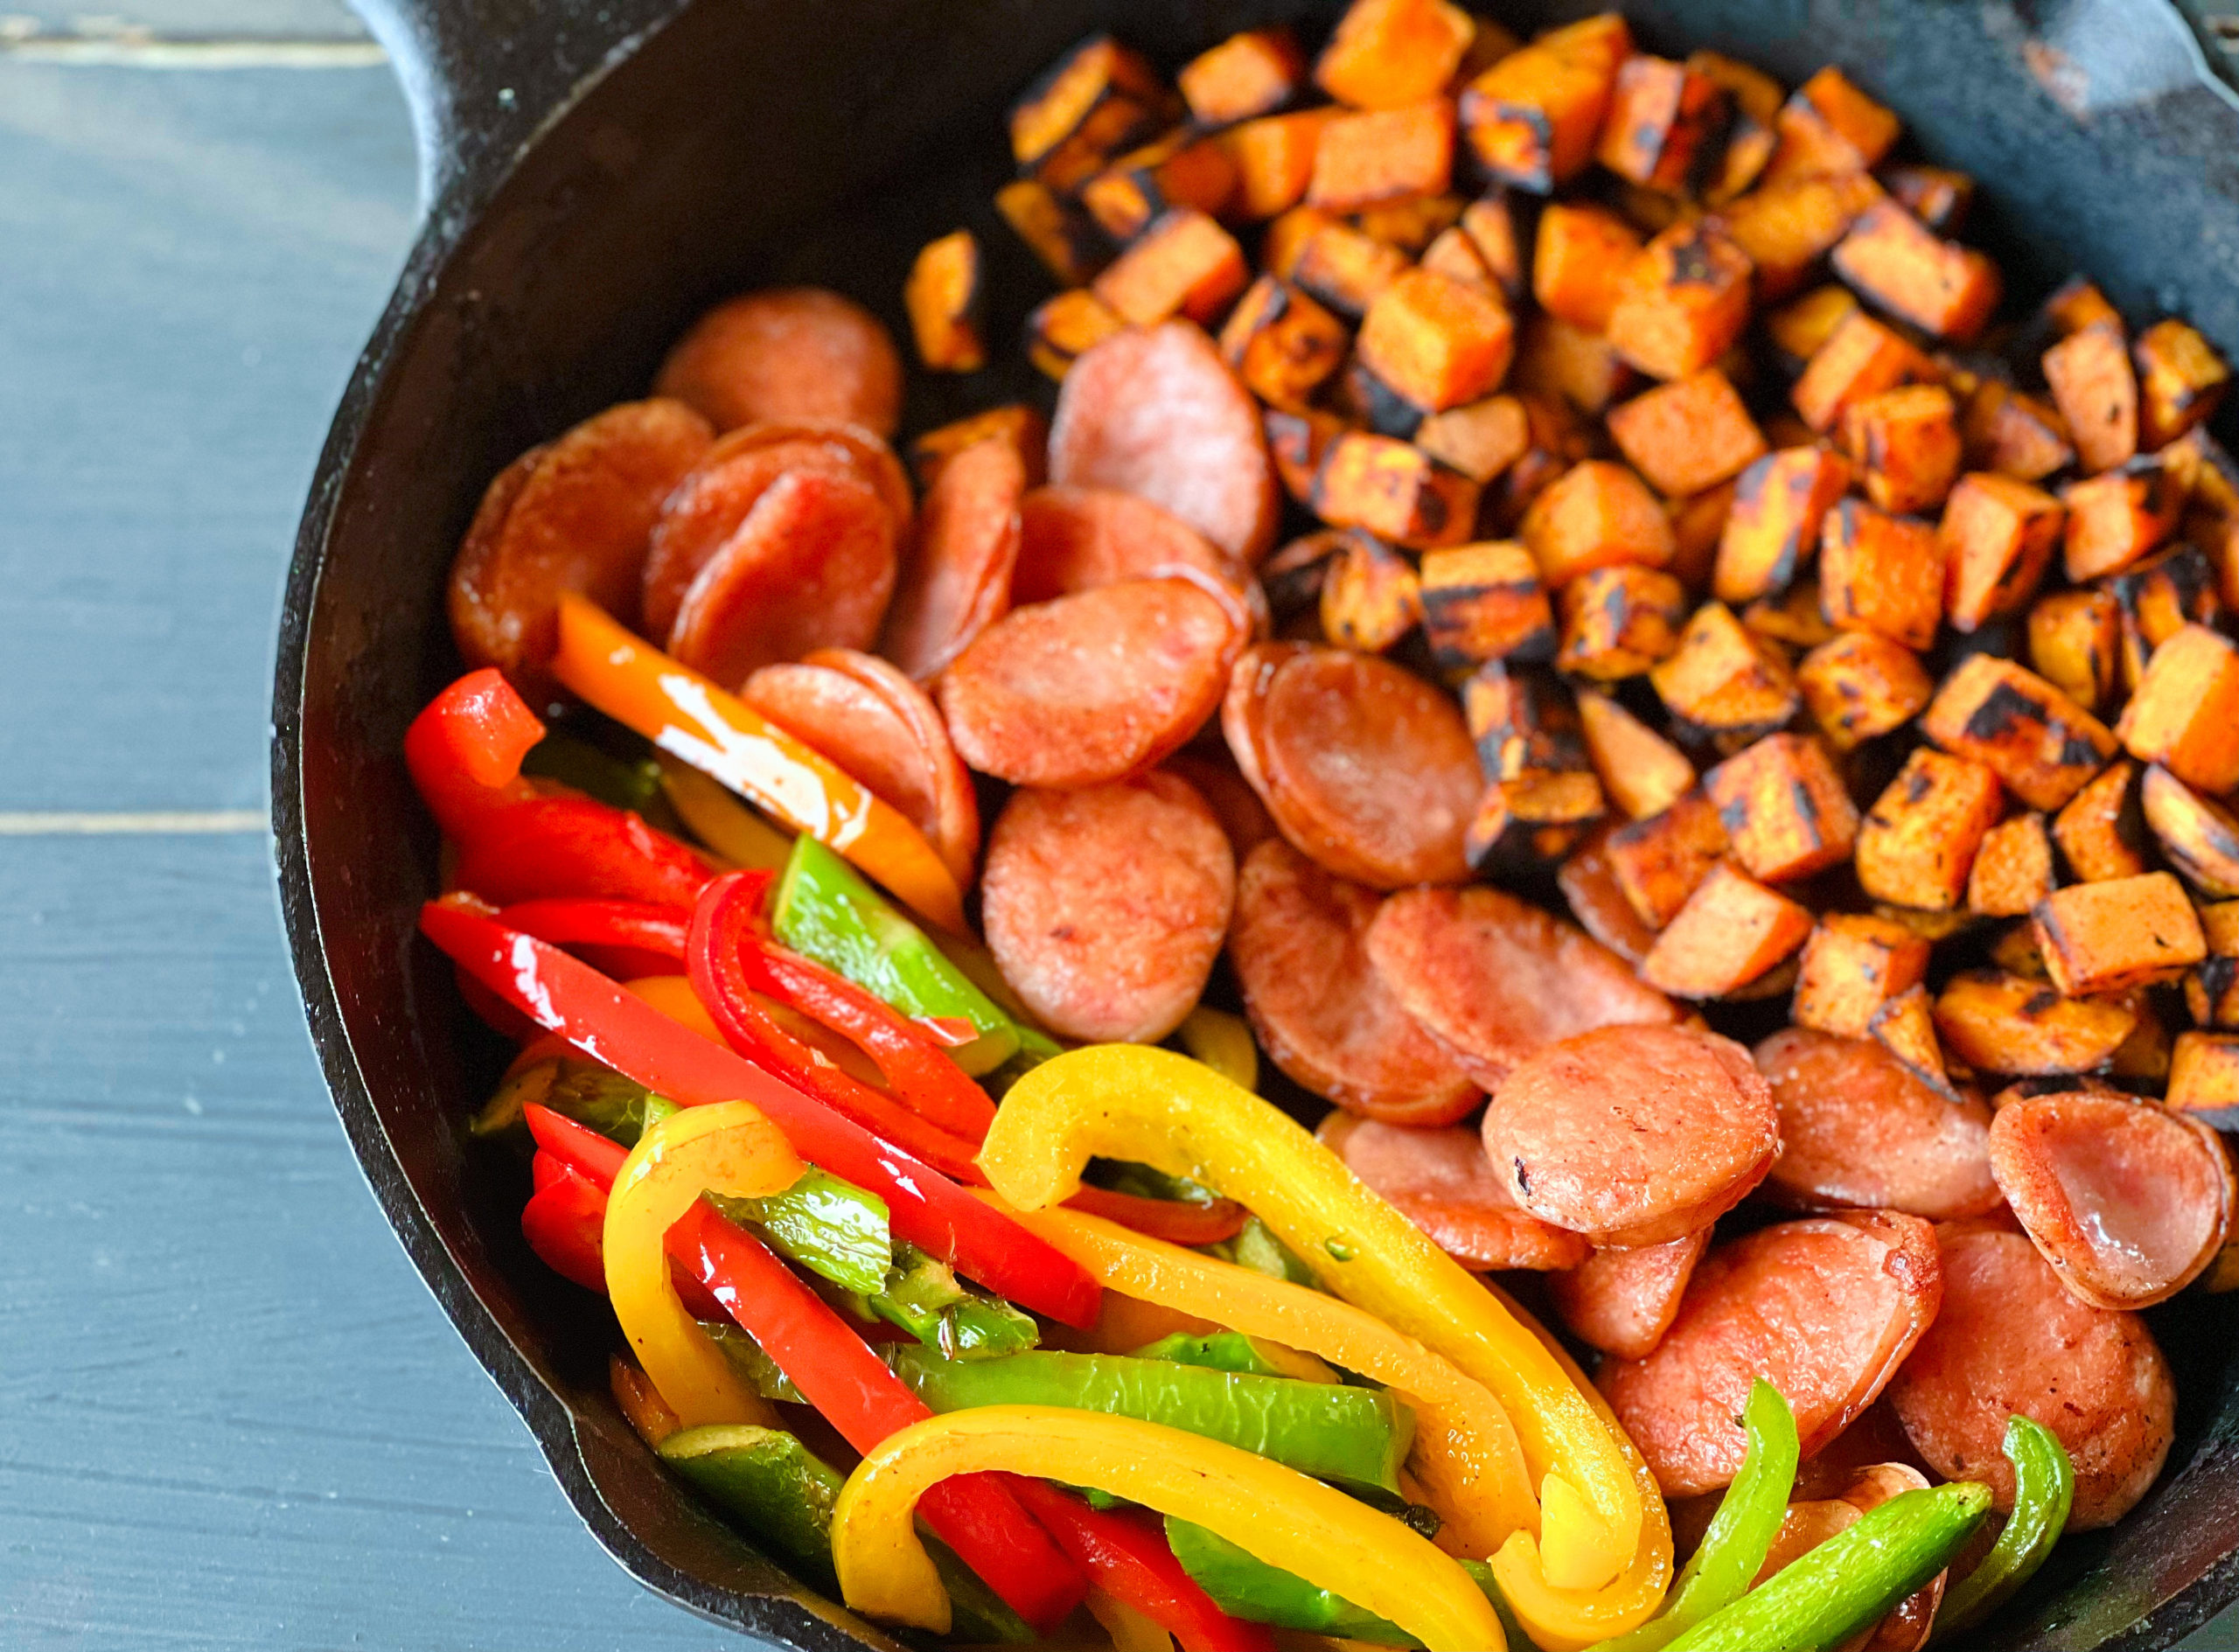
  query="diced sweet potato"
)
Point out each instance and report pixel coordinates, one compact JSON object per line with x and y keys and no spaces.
{"x":1480,"y":439}
{"x":2181,"y":381}
{"x":2200,"y":837}
{"x":1787,"y":228}
{"x":2112,"y":936}
{"x":2097,"y":392}
{"x":1939,"y":197}
{"x":2075,"y":304}
{"x":1557,"y":439}
{"x":1395,"y":492}
{"x":1904,"y":1026}
{"x":1297,"y":441}
{"x":1067,"y":242}
{"x":1062,"y":328}
{"x":1828,"y":125}
{"x":1343,"y":267}
{"x":1484,"y":601}
{"x":1382,"y":155}
{"x":1413,"y":222}
{"x":2204,"y":1078}
{"x":2100,"y":831}
{"x":1281,"y":343}
{"x":1452,"y":254}
{"x":1618,"y":621}
{"x":1919,"y":837}
{"x":1697,"y":523}
{"x":2026,"y":732}
{"x":2014,"y":434}
{"x":1998,"y":537}
{"x":1723,"y":679}
{"x":1779,"y":504}
{"x":2185,"y":716}
{"x":1014,"y":423}
{"x":2118,"y":518}
{"x":1273,"y":157}
{"x":1664,"y":122}
{"x":1785,"y":810}
{"x":1597,"y":515}
{"x":1731,"y":932}
{"x":2075,"y":642}
{"x":1370,"y":597}
{"x":2178,"y":587}
{"x":1689,"y":434}
{"x":1861,"y":357}
{"x":1794,"y":617}
{"x":1438,"y":342}
{"x":1898,"y":264}
{"x":1254,"y":73}
{"x":2003,"y":1023}
{"x":1184,"y":264}
{"x":1799,"y":327}
{"x":942,"y":296}
{"x":1084,"y":90}
{"x":1389,"y":52}
{"x":1521,"y":824}
{"x":1751,"y":135}
{"x":1560,"y":362}
{"x":1523,"y":722}
{"x":1881,"y":573}
{"x":1658,"y":861}
{"x":1861,"y":685}
{"x":1906,"y":444}
{"x":1499,"y":230}
{"x":1685,"y":301}
{"x":1534,"y":116}
{"x":1852,"y":964}
{"x":1292,"y":577}
{"x":1488,"y":43}
{"x":1183,"y":169}
{"x":1644,"y":773}
{"x":1580,"y":254}
{"x":2013,"y":870}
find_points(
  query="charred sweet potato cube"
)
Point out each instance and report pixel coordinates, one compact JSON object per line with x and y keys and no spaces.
{"x":1370,"y":595}
{"x":1689,"y":434}
{"x":1273,"y":158}
{"x":2212,"y":987}
{"x":1389,"y":52}
{"x":1919,"y":840}
{"x":2075,"y":643}
{"x":942,"y":296}
{"x":1254,"y":73}
{"x":1659,"y":859}
{"x":1597,"y":514}
{"x":1665,"y":119}
{"x":2075,"y":304}
{"x":1452,"y":254}
{"x":1786,"y":228}
{"x":1101,"y":87}
{"x":2204,"y":1078}
{"x":1560,"y":362}
{"x":1557,"y":439}
{"x":1828,"y":125}
{"x":1395,"y":492}
{"x":1364,"y":399}
{"x":1488,"y":43}
{"x":1784,"y":808}
{"x":2013,"y":870}
{"x":1344,"y":267}
{"x":2185,"y":716}
{"x":2042,"y":744}
{"x":1799,"y":327}
{"x":1697,"y":523}
{"x":1861,"y":357}
{"x":2095,"y":388}
{"x":1684,"y":300}
{"x":1412,"y":223}
{"x":1998,"y":537}
{"x":1500,"y":230}
{"x":2199,"y":836}
{"x":1723,"y":679}
{"x":1183,"y":169}
{"x":2014,"y":950}
{"x":1437,"y":342}
{"x":1880,"y":573}
{"x":1904,"y":1026}
{"x":1852,"y":964}
{"x":2181,"y":381}
{"x":1906,"y":444}
{"x":2100,"y":831}
{"x":1901,"y":267}
{"x":1014,"y":423}
{"x":1521,"y":822}
{"x":1297,"y":442}
{"x":2121,"y":933}
{"x":1644,"y":773}
{"x":1731,"y":930}
{"x":1861,"y":685}
{"x":2014,"y":434}
{"x":1484,"y":601}
{"x":1617,"y":622}
{"x":1779,"y":504}
{"x":2001,"y":1023}
{"x":1061,"y":328}
{"x":1184,"y":264}
{"x":1382,"y":155}
{"x":1069,"y":244}
{"x":1292,"y":577}
{"x":1580,"y":254}
{"x":2161,"y":595}
{"x":1747,"y":145}
{"x":1524,"y":720}
{"x":1534,"y":116}
{"x":1281,"y":343}
{"x":2118,"y":518}
{"x":1794,"y":618}
{"x":1480,"y":440}
{"x":1937,"y":195}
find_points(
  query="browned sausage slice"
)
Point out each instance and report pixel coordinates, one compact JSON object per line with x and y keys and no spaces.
{"x":812,"y":567}
{"x":1364,"y":766}
{"x":1242,"y":815}
{"x":1588,"y":880}
{"x":1105,"y":907}
{"x":787,"y":352}
{"x":574,"y":515}
{"x":878,"y":726}
{"x":1160,"y":415}
{"x":1094,"y":687}
{"x":1633,"y":1135}
{"x":1439,"y":1181}
{"x":1321,"y":1013}
{"x":1876,"y":1438}
{"x":1825,"y":1309}
{"x":1075,"y":537}
{"x":2011,"y":1339}
{"x":956,"y":580}
{"x":2128,"y":1202}
{"x":1622,"y":1301}
{"x":1860,"y":1131}
{"x":1495,"y":979}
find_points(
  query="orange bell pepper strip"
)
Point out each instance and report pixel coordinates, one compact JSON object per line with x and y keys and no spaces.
{"x":689,"y":717}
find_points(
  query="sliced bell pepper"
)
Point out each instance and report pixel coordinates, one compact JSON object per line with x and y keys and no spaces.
{"x":687,"y":716}
{"x":639,"y":924}
{"x":719,"y":819}
{"x":598,"y":1097}
{"x":1223,"y":1042}
{"x":612,"y":1026}
{"x":1254,"y":1589}
{"x":1128,"y":1556}
{"x":1176,"y":1220}
{"x":563,"y":1221}
{"x":779,"y":1491}
{"x":464,"y":751}
{"x":2044,"y":1491}
{"x":580,"y":1148}
{"x":1276,"y":1514}
{"x":1179,"y":1116}
{"x":1234,"y":1351}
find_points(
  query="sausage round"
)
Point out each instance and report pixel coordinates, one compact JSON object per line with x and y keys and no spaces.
{"x":2011,"y":1339}
{"x":1439,"y":1181}
{"x":956,"y":580}
{"x":1319,"y":1012}
{"x":2128,"y":1201}
{"x":1621,"y":1301}
{"x":1364,"y":766}
{"x":1242,"y":815}
{"x":1093,"y":686}
{"x":1860,"y":1131}
{"x":574,"y":515}
{"x":1105,"y":907}
{"x":1633,"y":1135}
{"x":1157,"y":412}
{"x":1494,"y":979}
{"x":787,"y":352}
{"x":1075,"y":537}
{"x":878,"y":726}
{"x":1825,"y":1309}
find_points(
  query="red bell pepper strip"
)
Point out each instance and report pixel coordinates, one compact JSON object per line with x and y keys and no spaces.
{"x":465,"y":750}
{"x":567,"y":996}
{"x":494,"y":1012}
{"x":636,"y":924}
{"x":594,"y":1158}
{"x":563,"y":1221}
{"x":1126,"y":1555}
{"x":545,"y":1169}
{"x":834,"y":1369}
{"x":1176,"y":1220}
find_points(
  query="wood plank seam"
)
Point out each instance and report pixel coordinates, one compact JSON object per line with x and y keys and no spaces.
{"x":44,"y":823}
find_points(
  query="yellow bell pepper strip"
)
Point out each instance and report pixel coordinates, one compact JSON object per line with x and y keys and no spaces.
{"x":1275,"y":1514}
{"x":688,"y":716}
{"x":1465,"y":1454}
{"x":1223,"y":1042}
{"x":720,"y":821}
{"x":1179,"y":1116}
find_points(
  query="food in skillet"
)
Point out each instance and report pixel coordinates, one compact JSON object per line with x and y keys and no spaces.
{"x":1744,"y":893}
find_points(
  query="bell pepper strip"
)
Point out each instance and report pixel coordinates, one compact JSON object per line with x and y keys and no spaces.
{"x":1740,"y":1534}
{"x":780,"y":1492}
{"x":575,"y":846}
{"x":1234,"y":1351}
{"x":976,"y":1516}
{"x":659,"y":929}
{"x":464,"y":751}
{"x":2044,"y":1489}
{"x":612,"y":1026}
{"x":1176,"y":1220}
{"x":1223,"y":1042}
{"x":1179,"y":1116}
{"x":720,"y":821}
{"x":674,"y":997}
{"x":1258,"y":1591}
{"x":688,"y":716}
{"x":563,"y":1221}
{"x":837,"y":1232}
{"x":1126,"y":1555}
{"x":580,"y":1148}
{"x":494,"y":1011}
{"x":583,"y":768}
{"x":1465,"y":1454}
{"x":640,"y":1402}
{"x":598,"y":1097}
{"x":1275,"y":1514}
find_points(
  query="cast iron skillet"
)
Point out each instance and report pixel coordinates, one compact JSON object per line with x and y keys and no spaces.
{"x":593,"y":176}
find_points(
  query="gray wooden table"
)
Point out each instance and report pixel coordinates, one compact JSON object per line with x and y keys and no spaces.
{"x":230,"y":1417}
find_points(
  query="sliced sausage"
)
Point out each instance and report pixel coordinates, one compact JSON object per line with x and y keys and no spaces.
{"x":957,"y":581}
{"x":574,"y":515}
{"x":1588,"y":880}
{"x":1157,"y":412}
{"x":1621,"y":1301}
{"x":1860,"y":1131}
{"x":1075,"y":537}
{"x":2129,"y":1202}
{"x":1364,"y":766}
{"x":787,"y":352}
{"x":1439,"y":1181}
{"x":1633,"y":1135}
{"x":1495,"y":979}
{"x":1242,"y":815}
{"x":2012,"y":1340}
{"x":1318,"y":1011}
{"x":1105,"y":907}
{"x":1093,"y":686}
{"x":876,"y":724}
{"x":1825,"y":1309}
{"x":812,"y":567}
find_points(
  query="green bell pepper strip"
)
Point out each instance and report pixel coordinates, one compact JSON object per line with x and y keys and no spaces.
{"x":2044,"y":1489}
{"x":618,"y":781}
{"x":747,"y":1358}
{"x":1354,"y":1436}
{"x":1259,"y":1249}
{"x":1850,"y":1581}
{"x":1234,"y":1351}
{"x":1733,"y":1549}
{"x":596,"y":1097}
{"x":1251,"y":1589}
{"x":922,"y":1295}
{"x":830,"y":1227}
